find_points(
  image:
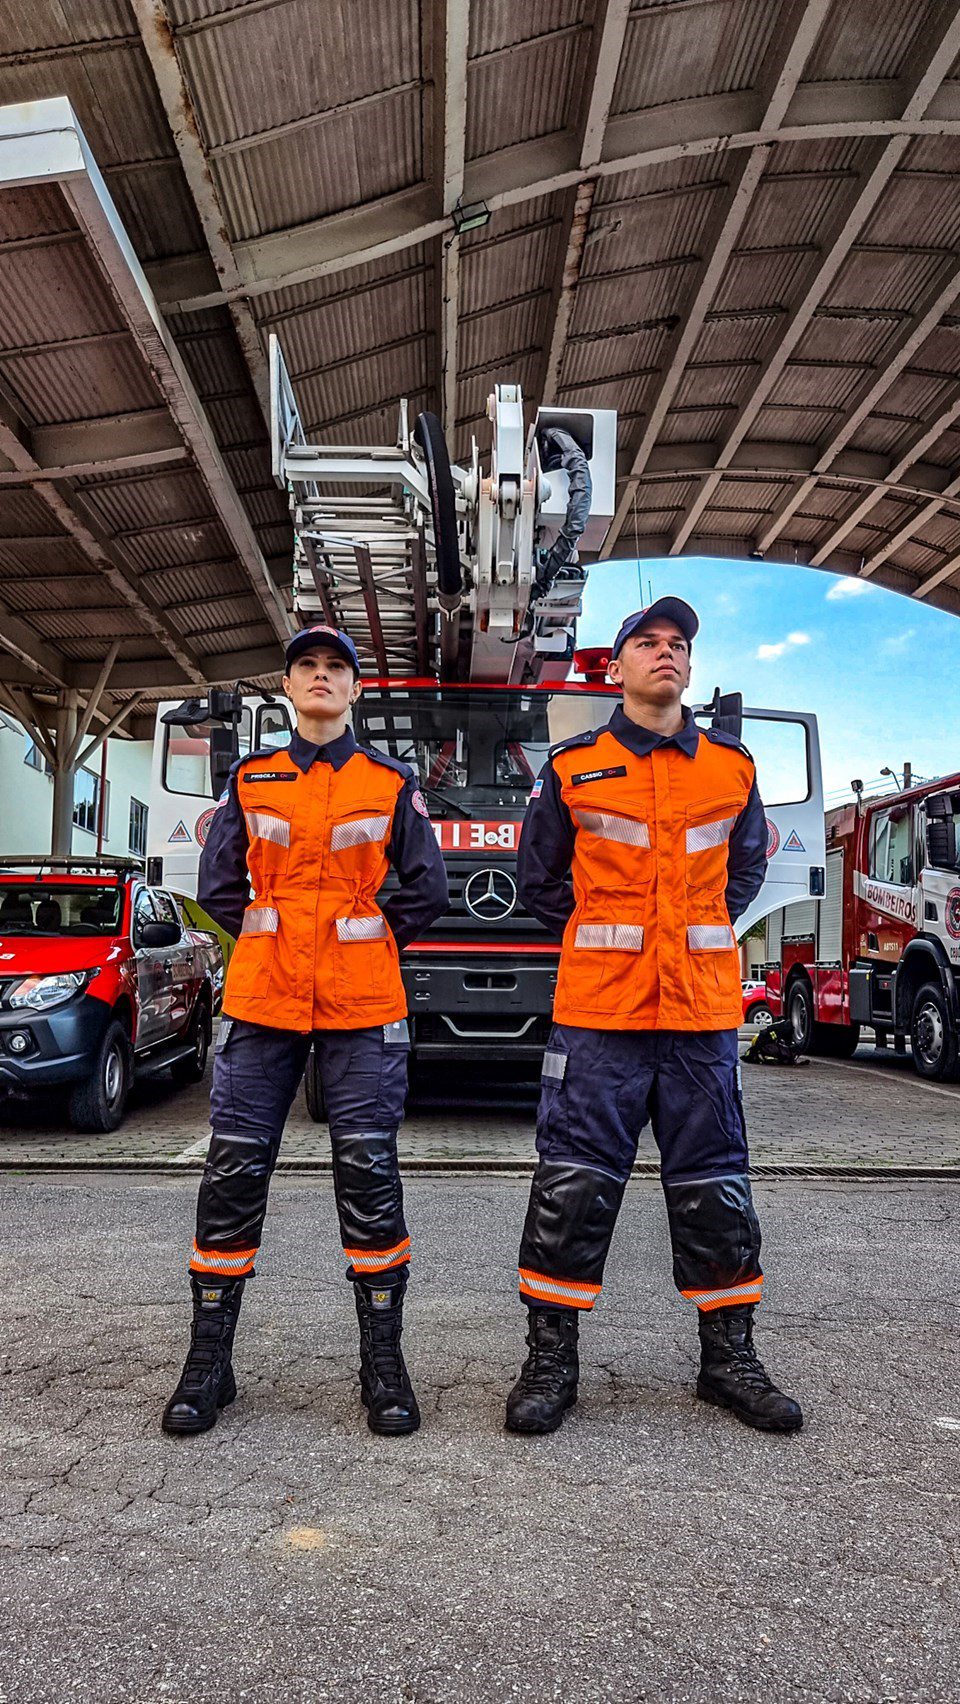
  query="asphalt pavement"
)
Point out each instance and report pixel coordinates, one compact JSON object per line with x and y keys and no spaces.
{"x":652,"y":1549}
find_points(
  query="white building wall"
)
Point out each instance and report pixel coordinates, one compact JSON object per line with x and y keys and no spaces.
{"x":26,"y":795}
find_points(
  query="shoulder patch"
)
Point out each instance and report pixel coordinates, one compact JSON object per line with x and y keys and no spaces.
{"x":718,"y":738}
{"x":537,"y":788}
{"x":393,"y":763}
{"x":588,"y":739}
{"x":419,"y":803}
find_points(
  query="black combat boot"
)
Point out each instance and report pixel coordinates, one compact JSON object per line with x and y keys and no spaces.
{"x":547,"y":1385}
{"x":733,"y":1376}
{"x":207,"y":1383}
{"x":385,"y":1388}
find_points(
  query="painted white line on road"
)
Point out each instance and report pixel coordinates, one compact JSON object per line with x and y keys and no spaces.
{"x":947,"y":1423}
{"x":911,"y":1079}
{"x":193,"y":1152}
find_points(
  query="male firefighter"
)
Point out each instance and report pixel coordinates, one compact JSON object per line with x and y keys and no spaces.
{"x":662,"y":829}
{"x":313,"y":828}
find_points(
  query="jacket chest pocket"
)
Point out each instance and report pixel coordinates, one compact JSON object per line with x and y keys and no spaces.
{"x":268,"y":830}
{"x":358,"y":841}
{"x":617,"y":848}
{"x":709,"y":826}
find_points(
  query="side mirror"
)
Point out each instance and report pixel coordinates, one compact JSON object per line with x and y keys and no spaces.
{"x":158,"y":935}
{"x":726,"y":710}
{"x":224,"y":751}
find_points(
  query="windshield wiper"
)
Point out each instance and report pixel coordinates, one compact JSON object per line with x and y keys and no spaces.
{"x":435,"y":793}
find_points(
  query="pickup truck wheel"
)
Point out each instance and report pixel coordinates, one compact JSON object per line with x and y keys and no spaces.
{"x":313,"y":1090}
{"x":932,"y":1034}
{"x":98,"y":1103}
{"x":760,"y":1015}
{"x":192,"y":1068}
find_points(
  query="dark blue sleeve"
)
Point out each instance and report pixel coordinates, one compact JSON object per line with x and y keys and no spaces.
{"x":747,"y":856}
{"x":422,"y":896}
{"x":223,"y":884}
{"x":546,"y":851}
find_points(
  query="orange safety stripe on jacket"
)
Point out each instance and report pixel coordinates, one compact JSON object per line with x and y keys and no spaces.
{"x":315,"y":951}
{"x":649,"y":944}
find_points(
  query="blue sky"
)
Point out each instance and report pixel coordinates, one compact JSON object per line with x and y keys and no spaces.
{"x":881,"y":671}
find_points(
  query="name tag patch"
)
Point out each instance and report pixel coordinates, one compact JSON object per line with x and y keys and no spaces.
{"x":275,"y":775}
{"x":598,"y":774}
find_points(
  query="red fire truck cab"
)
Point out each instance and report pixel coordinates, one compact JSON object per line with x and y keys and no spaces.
{"x":882,"y":947}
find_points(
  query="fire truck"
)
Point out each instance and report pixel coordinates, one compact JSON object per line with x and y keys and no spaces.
{"x":461,"y":586}
{"x":881,"y":949}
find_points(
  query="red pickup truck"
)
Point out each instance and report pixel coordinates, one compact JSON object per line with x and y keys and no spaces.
{"x":100,"y":978}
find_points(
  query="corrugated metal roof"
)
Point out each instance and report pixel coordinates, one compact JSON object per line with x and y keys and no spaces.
{"x":319,"y":130}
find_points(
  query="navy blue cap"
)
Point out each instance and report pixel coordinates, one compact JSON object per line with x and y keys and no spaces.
{"x":310,"y":637}
{"x":666,"y":609}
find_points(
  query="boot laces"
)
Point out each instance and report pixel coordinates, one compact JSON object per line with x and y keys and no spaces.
{"x":385,"y":1353}
{"x":547,"y":1366}
{"x":748,"y":1367}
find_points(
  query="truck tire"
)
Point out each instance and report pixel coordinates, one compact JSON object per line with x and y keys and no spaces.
{"x":799,"y":1009}
{"x":313,"y":1090}
{"x":760,"y":1015}
{"x":98,"y":1103}
{"x":193,"y":1068}
{"x":932,"y":1034}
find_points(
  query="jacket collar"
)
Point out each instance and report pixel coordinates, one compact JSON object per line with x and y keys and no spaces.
{"x":337,"y":752}
{"x":642,"y":741}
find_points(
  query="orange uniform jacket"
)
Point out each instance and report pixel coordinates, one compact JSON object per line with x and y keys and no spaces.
{"x":314,"y":831}
{"x":665,"y":840}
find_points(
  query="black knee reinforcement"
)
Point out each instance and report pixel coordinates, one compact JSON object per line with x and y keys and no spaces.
{"x":714,"y":1232}
{"x":566,"y":1236}
{"x":366,"y":1178}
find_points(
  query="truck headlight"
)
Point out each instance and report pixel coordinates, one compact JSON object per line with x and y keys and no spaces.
{"x":40,"y":992}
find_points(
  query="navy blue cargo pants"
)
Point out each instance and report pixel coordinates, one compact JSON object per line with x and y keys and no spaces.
{"x":599,"y":1089}
{"x":256,"y":1073}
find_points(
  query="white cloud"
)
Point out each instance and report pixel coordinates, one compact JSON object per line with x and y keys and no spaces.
{"x":768,"y":653}
{"x":897,"y":642}
{"x":850,"y":587}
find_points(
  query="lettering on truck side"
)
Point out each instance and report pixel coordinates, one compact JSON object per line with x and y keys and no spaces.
{"x":892,"y":900}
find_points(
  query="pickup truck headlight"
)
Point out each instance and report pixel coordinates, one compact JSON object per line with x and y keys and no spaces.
{"x":38,"y":993}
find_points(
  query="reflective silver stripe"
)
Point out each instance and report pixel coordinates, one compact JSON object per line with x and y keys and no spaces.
{"x":396,"y":1034}
{"x":359,"y":832}
{"x":264,"y":826}
{"x":554,"y":1065}
{"x":361,"y":929}
{"x":610,"y":937}
{"x":219,"y":1262}
{"x":710,"y":937}
{"x":544,"y":1287}
{"x":625,"y":829}
{"x":707,"y":834}
{"x":260,"y":920}
{"x":736,"y":1293}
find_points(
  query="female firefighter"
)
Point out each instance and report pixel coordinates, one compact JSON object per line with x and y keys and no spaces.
{"x":313,"y":829}
{"x":662,"y":828}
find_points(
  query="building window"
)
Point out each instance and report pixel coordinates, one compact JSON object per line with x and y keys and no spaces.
{"x":137,"y":839}
{"x":86,"y":802}
{"x":34,"y":759}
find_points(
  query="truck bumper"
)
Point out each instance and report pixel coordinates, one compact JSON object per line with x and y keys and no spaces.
{"x":61,"y":1045}
{"x":467,"y":1005}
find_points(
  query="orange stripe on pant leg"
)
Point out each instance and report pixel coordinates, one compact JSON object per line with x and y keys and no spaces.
{"x":223,"y":1262}
{"x":378,"y":1259}
{"x":733,"y":1296}
{"x":563,"y":1292}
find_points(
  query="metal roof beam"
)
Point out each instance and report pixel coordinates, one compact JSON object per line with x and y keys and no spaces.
{"x":606,"y":48}
{"x":447,"y":23}
{"x":44,"y":141}
{"x":932,"y":60}
{"x":710,"y":125}
{"x":157,"y":35}
{"x":793,"y":42}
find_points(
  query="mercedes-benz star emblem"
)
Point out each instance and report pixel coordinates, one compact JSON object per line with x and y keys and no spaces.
{"x":490,"y":895}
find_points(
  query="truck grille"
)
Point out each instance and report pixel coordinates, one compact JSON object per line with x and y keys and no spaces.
{"x":459,"y":924}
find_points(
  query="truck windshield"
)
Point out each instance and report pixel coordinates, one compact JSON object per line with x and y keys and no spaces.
{"x":83,"y":908}
{"x":474,"y":748}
